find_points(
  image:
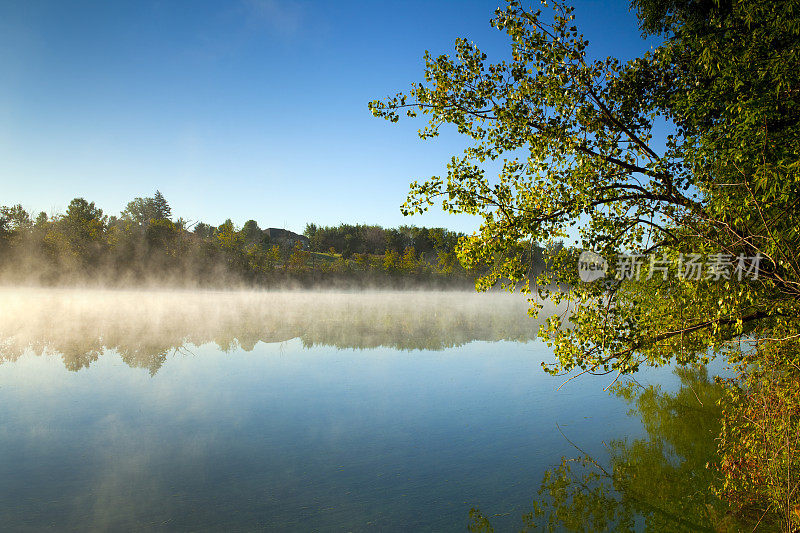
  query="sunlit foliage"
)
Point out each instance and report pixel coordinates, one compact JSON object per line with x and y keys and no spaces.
{"x":574,"y":137}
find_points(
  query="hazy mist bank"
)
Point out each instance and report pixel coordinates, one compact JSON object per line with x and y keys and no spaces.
{"x":232,"y":284}
{"x":189,"y":272}
{"x":147,"y":326}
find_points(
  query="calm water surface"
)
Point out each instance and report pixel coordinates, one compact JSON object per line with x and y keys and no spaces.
{"x":284,"y":411}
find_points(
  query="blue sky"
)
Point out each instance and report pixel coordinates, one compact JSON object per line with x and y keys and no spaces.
{"x":238,"y":108}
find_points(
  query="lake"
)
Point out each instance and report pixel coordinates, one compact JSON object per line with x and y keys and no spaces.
{"x":297,"y":411}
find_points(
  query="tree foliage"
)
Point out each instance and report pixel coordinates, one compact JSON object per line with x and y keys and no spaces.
{"x":143,"y":210}
{"x":372,"y":239}
{"x":575,"y":137}
{"x":144,"y":246}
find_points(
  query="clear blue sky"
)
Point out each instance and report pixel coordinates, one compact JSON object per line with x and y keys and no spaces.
{"x":236,"y":108}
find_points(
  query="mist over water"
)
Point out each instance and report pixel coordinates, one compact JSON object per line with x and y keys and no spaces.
{"x":147,"y":326}
{"x":166,"y":410}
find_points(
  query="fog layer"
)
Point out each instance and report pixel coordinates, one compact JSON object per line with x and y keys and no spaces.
{"x":146,"y":327}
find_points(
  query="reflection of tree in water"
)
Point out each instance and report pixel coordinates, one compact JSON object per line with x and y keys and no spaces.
{"x":662,"y":482}
{"x":77,"y":356}
{"x":145,"y":328}
{"x":145,"y":355}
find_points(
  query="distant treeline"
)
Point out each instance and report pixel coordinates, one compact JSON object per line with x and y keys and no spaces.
{"x":350,"y":239}
{"x":146,"y":245}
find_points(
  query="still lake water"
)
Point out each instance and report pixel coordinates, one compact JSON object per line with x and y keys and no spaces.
{"x":286,"y":411}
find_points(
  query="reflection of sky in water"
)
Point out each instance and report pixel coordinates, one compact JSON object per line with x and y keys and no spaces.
{"x":292,"y":437}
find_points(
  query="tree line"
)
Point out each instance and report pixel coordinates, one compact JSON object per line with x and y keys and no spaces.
{"x":145,"y":244}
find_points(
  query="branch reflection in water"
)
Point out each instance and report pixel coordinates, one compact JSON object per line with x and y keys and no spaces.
{"x":662,"y":482}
